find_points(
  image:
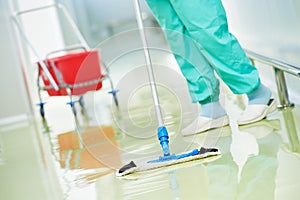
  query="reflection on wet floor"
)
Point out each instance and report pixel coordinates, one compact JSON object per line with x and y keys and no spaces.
{"x":258,"y":161}
{"x":67,"y":158}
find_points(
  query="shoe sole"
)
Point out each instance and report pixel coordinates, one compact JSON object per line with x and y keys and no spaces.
{"x":271,"y":108}
{"x":217,"y":123}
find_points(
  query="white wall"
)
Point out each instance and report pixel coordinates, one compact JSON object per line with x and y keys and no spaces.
{"x":271,"y":28}
{"x":99,"y":19}
{"x":14,"y":102}
{"x":18,"y":70}
{"x":41,"y":27}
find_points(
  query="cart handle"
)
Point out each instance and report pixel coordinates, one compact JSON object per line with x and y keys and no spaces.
{"x":44,"y":67}
{"x":15,"y":17}
{"x":65,"y":12}
{"x":35,"y":9}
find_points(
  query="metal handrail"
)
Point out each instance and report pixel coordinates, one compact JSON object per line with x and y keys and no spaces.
{"x":287,"y":67}
{"x":279,"y":68}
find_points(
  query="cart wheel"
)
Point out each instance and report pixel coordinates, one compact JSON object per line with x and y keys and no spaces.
{"x":42,"y":110}
{"x":114,"y":93}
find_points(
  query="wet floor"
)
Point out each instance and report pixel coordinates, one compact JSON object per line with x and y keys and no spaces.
{"x":75,"y":158}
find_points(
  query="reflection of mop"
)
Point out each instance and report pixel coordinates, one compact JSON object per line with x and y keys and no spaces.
{"x":167,"y":159}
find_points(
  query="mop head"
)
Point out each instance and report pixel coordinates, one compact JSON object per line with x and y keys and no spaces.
{"x":165,"y":161}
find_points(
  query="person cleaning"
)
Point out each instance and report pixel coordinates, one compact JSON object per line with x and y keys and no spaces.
{"x":197,"y":32}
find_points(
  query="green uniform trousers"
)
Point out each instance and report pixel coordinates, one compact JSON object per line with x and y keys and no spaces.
{"x":198,"y":35}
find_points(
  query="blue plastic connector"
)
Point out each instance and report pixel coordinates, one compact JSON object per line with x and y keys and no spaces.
{"x":71,"y":103}
{"x":113,"y":92}
{"x":163,"y":137}
{"x":41,"y":104}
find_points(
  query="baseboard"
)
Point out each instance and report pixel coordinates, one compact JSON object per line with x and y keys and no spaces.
{"x":13,"y":119}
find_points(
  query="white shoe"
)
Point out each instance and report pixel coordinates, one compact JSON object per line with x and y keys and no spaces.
{"x":201,"y":124}
{"x":256,"y":112}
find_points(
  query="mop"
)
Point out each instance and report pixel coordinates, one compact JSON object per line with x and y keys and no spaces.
{"x":167,"y":159}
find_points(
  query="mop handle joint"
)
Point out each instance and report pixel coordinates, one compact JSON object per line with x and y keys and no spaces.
{"x":163,"y":137}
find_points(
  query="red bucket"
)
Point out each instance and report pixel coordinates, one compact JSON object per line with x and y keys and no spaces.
{"x":79,"y":71}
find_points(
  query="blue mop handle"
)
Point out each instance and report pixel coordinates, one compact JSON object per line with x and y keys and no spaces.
{"x":162,"y":131}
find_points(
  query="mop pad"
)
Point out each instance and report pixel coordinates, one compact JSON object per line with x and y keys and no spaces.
{"x":165,"y":161}
{"x":168,"y":169}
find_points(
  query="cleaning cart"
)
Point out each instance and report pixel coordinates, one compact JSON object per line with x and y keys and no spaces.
{"x":71,"y":71}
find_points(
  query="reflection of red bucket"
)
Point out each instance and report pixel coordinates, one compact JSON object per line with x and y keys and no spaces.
{"x":99,"y":148}
{"x":74,"y":68}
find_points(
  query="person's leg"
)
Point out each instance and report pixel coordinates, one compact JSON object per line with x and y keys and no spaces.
{"x":202,"y":83}
{"x":206,"y":23}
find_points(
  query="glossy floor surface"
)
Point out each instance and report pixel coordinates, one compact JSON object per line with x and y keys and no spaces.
{"x":70,"y":158}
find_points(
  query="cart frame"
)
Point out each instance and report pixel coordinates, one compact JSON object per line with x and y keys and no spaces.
{"x":43,"y":65}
